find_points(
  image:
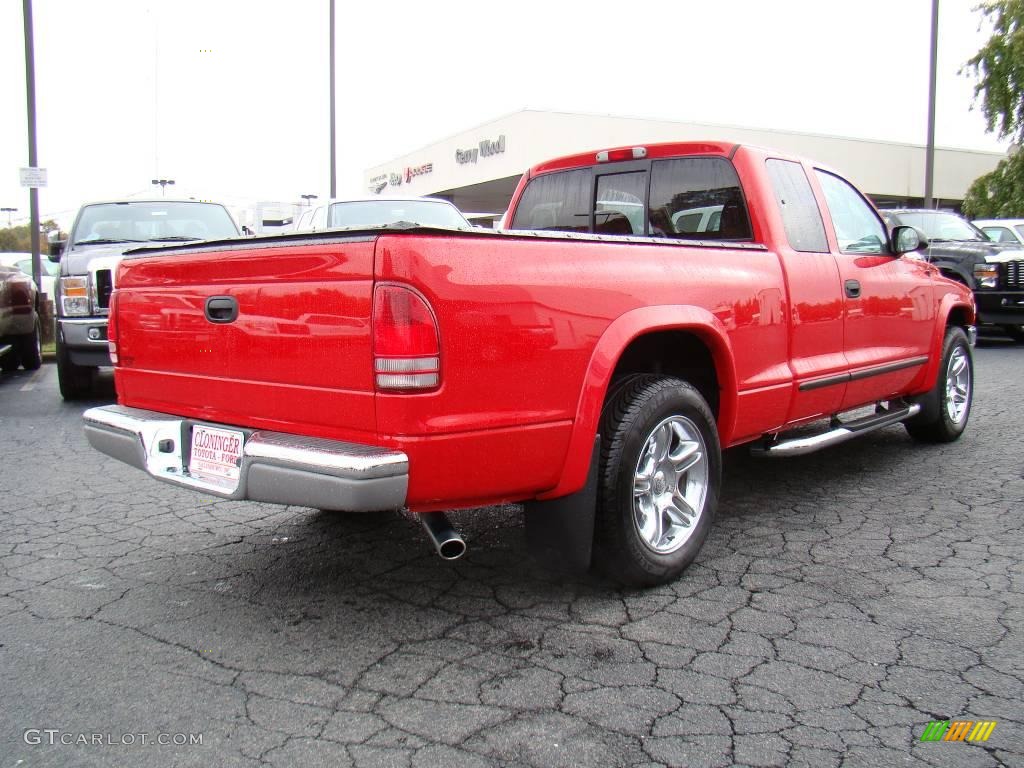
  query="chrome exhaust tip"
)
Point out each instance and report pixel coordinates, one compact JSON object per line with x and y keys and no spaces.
{"x":445,"y":538}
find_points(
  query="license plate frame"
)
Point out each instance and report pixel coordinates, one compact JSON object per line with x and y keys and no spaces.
{"x":216,"y":455}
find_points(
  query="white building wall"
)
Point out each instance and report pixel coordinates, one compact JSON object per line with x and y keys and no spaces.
{"x":878,"y":168}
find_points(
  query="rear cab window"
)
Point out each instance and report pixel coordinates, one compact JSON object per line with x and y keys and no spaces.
{"x":556,"y":202}
{"x":692,"y":198}
{"x":697,"y":198}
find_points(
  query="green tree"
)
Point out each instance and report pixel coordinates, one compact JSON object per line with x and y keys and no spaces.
{"x":999,"y":70}
{"x":999,"y":194}
{"x":19,"y":239}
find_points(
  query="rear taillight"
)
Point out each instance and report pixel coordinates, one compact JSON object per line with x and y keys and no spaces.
{"x":112,"y":329}
{"x":406,"y":346}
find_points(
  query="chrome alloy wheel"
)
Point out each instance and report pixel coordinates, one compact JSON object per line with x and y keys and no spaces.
{"x":958,"y":385}
{"x":670,"y":485}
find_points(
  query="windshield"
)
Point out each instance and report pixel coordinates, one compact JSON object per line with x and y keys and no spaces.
{"x":365,"y":214}
{"x":47,"y":267}
{"x":145,"y":222}
{"x":937,"y":225}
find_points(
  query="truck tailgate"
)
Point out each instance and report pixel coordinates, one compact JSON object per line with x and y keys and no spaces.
{"x":297,"y":357}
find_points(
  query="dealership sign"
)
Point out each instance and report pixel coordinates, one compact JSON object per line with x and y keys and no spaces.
{"x":485,"y":148}
{"x":382,"y":180}
{"x":419,"y":170}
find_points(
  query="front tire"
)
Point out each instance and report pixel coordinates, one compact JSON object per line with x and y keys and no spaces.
{"x":659,"y":480}
{"x":946,"y":409}
{"x":75,"y":380}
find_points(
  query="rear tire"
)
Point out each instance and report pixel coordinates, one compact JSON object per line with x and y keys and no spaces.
{"x":75,"y":380}
{"x":946,"y":409}
{"x":659,"y":480}
{"x":30,"y":349}
{"x":1015,"y":332}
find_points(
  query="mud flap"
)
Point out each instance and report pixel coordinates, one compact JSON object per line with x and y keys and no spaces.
{"x":560,"y":532}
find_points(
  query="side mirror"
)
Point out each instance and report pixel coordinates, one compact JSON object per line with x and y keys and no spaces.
{"x":907,"y":239}
{"x":56,"y":249}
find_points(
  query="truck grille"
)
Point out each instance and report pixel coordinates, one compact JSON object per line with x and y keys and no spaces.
{"x":104,"y":287}
{"x":1014,"y":274}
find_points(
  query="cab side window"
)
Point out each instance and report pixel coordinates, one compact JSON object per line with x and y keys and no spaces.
{"x":800,"y":215}
{"x":697,"y":198}
{"x":858,"y":228}
{"x":556,"y":201}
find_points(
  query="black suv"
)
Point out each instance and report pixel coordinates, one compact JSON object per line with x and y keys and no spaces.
{"x":994,"y":271}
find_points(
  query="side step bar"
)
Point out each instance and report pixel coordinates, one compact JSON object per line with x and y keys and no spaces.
{"x":840,"y":433}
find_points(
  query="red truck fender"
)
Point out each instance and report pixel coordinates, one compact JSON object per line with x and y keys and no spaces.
{"x":949,"y":305}
{"x":607,"y":353}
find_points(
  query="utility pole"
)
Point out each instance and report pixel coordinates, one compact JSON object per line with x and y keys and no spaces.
{"x":929,"y":157}
{"x":334,"y":164}
{"x":30,"y":94}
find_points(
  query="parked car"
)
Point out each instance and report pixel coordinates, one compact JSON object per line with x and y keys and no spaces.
{"x":1009,"y":231}
{"x":101,"y":234}
{"x":993,"y":270}
{"x":23,"y":261}
{"x":594,"y":377}
{"x":372,"y":213}
{"x":20,"y":329}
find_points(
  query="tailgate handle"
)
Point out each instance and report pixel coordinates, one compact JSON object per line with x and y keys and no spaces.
{"x":221,"y":309}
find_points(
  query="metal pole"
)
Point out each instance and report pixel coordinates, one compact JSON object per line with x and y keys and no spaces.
{"x":334,"y":186}
{"x":30,"y":93}
{"x":929,"y":157}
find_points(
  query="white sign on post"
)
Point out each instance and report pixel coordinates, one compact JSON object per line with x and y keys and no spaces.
{"x":33,"y":177}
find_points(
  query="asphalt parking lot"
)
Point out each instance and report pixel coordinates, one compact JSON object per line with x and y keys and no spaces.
{"x":844,"y":600}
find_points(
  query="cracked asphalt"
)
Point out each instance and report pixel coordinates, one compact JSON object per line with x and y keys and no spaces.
{"x":843,"y":601}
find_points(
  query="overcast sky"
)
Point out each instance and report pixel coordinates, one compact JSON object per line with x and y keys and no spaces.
{"x":230,"y":97}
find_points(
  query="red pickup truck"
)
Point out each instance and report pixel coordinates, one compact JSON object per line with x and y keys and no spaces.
{"x":647,"y":307}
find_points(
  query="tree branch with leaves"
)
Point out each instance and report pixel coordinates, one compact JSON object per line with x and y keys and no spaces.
{"x":999,"y":70}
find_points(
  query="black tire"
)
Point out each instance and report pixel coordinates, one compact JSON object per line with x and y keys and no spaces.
{"x":1015,"y":332}
{"x":935,"y":423}
{"x":75,"y":380}
{"x":30,"y":349}
{"x":632,"y":417}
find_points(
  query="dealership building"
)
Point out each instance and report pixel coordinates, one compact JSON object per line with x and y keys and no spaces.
{"x":478,"y":169}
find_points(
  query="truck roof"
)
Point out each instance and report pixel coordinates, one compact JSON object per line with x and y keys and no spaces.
{"x":641,"y":151}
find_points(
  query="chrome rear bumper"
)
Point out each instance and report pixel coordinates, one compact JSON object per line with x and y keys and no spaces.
{"x":274,"y":467}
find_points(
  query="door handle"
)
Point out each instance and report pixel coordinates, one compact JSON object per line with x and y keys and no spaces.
{"x":853,"y":289}
{"x":221,"y":309}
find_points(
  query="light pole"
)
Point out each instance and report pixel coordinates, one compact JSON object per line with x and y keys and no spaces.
{"x":308,"y":199}
{"x":163,"y":185}
{"x":8,"y":211}
{"x":929,"y":152}
{"x":334,"y":155}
